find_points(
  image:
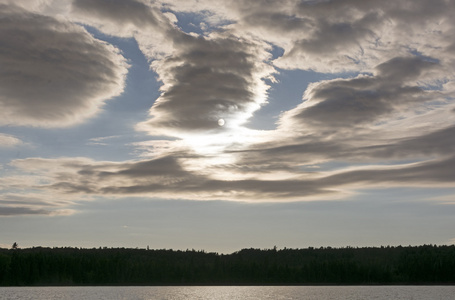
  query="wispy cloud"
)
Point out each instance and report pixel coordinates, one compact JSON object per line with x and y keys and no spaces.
{"x":22,"y":211}
{"x":102,"y":141}
{"x":33,"y":204}
{"x":8,"y":141}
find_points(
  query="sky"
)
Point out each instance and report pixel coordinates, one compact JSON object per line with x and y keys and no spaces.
{"x":220,"y":125}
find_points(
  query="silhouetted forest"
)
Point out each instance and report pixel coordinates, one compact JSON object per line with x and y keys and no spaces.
{"x":119,"y":266}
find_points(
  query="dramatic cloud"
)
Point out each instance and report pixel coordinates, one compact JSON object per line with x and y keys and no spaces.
{"x":204,"y":79}
{"x":165,"y":177}
{"x":53,"y":72}
{"x":336,"y":36}
{"x":383,"y":116}
{"x":207,"y":79}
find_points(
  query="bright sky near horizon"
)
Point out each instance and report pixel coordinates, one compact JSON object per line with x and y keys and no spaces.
{"x":221,"y":125}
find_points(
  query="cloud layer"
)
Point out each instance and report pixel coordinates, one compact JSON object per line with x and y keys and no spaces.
{"x":385,"y":118}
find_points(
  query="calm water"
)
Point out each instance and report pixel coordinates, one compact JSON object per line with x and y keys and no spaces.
{"x":231,"y":293}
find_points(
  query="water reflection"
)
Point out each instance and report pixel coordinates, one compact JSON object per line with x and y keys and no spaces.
{"x":230,"y":293}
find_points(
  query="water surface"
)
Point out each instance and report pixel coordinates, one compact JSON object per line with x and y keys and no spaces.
{"x":231,"y":292}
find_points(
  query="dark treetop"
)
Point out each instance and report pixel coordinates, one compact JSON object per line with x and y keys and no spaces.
{"x":119,"y":266}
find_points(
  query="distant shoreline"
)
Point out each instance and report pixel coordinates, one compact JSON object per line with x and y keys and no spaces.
{"x":369,"y":266}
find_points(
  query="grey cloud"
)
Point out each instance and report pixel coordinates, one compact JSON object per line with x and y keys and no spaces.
{"x":351,"y":34}
{"x":419,"y":13}
{"x":337,"y":38}
{"x":406,"y":13}
{"x":350,"y":102}
{"x":428,"y":173}
{"x":92,"y":178}
{"x":166,"y":177}
{"x":399,"y":70}
{"x":200,"y":188}
{"x":140,"y":19}
{"x":437,"y":143}
{"x":204,"y":78}
{"x":219,"y":76}
{"x":441,"y":171}
{"x":24,"y":200}
{"x":29,"y":204}
{"x":207,"y":79}
{"x":18,"y":211}
{"x":196,"y":186}
{"x":163,"y":166}
{"x":278,"y":22}
{"x":346,"y":35}
{"x":323,"y":149}
{"x":314,"y":38}
{"x":273,"y":156}
{"x":286,"y":155}
{"x":122,"y":12}
{"x":53,"y":73}
{"x":346,"y":107}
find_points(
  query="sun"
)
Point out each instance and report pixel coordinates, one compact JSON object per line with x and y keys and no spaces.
{"x":221,"y":122}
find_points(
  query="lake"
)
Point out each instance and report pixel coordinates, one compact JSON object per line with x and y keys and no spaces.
{"x":231,"y":292}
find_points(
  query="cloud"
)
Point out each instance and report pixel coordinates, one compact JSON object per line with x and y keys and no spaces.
{"x":345,"y":35}
{"x":433,"y":144}
{"x":135,"y":14}
{"x":102,"y":141}
{"x":53,"y":72}
{"x":430,"y":173}
{"x":21,"y":211}
{"x":208,"y":78}
{"x":167,"y":177}
{"x":142,"y":20}
{"x":335,"y":36}
{"x":27,"y":204}
{"x":204,"y":78}
{"x":7,"y":141}
{"x":14,"y":211}
{"x":45,"y":7}
{"x":348,"y":103}
{"x":70,"y":180}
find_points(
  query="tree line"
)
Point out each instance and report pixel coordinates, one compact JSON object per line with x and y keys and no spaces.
{"x":425,"y":264}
